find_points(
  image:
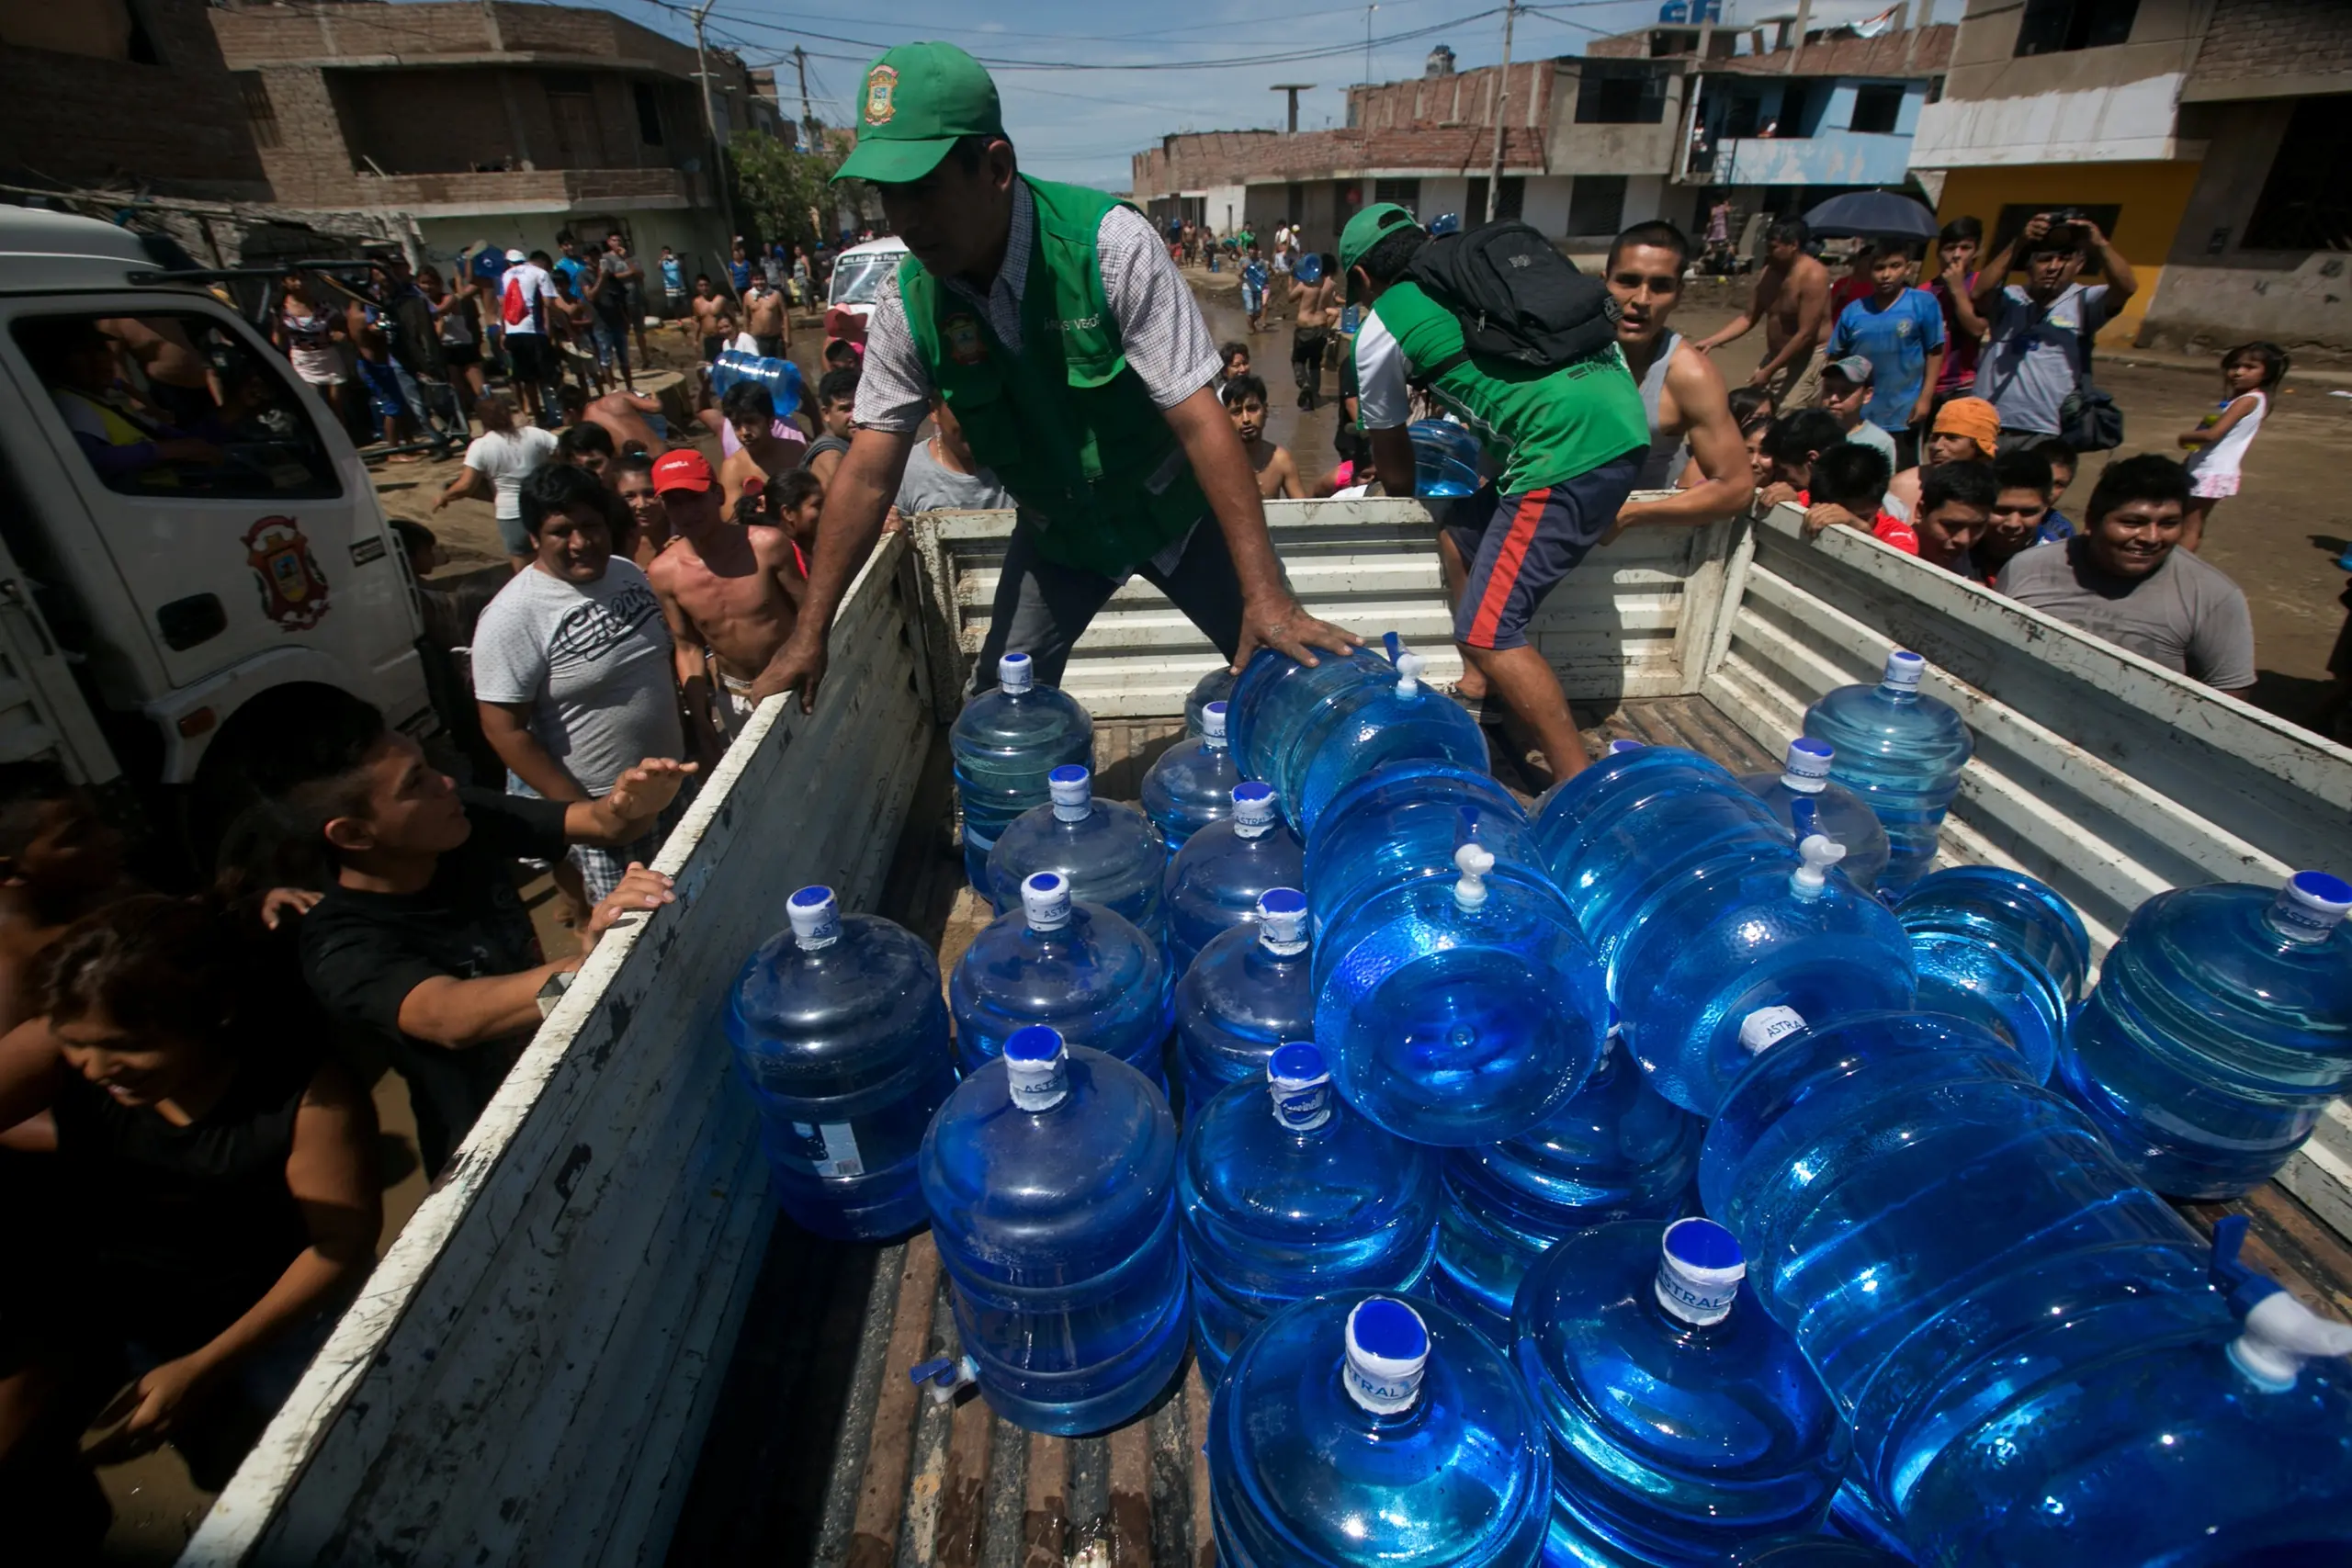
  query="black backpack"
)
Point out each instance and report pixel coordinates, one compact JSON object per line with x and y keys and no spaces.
{"x":1518,"y":299}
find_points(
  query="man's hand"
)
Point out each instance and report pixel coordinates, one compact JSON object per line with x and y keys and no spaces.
{"x":1825,"y":515}
{"x":640,"y":889}
{"x":643,"y":792}
{"x":282,"y":904}
{"x":1776,"y":492}
{"x":153,"y":1406}
{"x":1924,"y":404}
{"x":796,"y":667}
{"x":1763,"y":374}
{"x":2036,"y":227}
{"x":1281,"y":622}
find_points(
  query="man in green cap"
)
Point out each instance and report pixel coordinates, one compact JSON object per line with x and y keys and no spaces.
{"x":1569,"y":442}
{"x":1051,"y":320}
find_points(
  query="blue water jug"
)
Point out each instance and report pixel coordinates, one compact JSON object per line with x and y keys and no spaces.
{"x":1458,"y":1012}
{"x":1111,"y":852}
{"x":1813,"y":1552}
{"x":1903,"y":754}
{"x":1213,"y":883}
{"x":1080,"y":967}
{"x":727,"y":369}
{"x":1406,"y":821}
{"x":1617,"y":1150}
{"x":2221,"y":1028}
{"x":1249,"y":990}
{"x":1294,"y":1197}
{"x":1446,"y":459}
{"x":1050,"y":1175}
{"x":1355,"y":1431}
{"x":782,"y":378}
{"x":1397,"y":718}
{"x":838,"y":1029}
{"x":1004,"y":743}
{"x":1683,"y":1420}
{"x":1191,"y":783}
{"x":1804,"y":785}
{"x":2000,"y":949}
{"x":1216,"y":686}
{"x":1275,"y":698}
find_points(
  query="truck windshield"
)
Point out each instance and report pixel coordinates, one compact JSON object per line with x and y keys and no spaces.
{"x":858,"y":278}
{"x":177,"y":403}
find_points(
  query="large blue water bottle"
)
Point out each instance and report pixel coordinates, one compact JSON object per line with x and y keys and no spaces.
{"x":1355,"y":1431}
{"x":1293,"y":1199}
{"x":1404,"y":822}
{"x":2037,"y":1367}
{"x":1249,"y":990}
{"x":1111,"y":852}
{"x":1813,"y":1552}
{"x":1397,"y":718}
{"x":1004,"y":743}
{"x":839,"y":1030}
{"x":1803,"y":784}
{"x":1216,"y":686}
{"x":1213,"y":883}
{"x":1275,"y":699}
{"x":2000,"y":949}
{"x":1903,"y":754}
{"x":1082,"y":968}
{"x":1446,"y":459}
{"x":1458,"y":1012}
{"x":1617,"y":1150}
{"x":1683,"y":1421}
{"x":1191,"y":783}
{"x":1050,"y":1174}
{"x":2221,"y":1028}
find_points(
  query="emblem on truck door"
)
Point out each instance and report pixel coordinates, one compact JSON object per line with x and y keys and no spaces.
{"x":293,"y":589}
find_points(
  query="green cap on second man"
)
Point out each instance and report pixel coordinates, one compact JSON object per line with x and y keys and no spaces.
{"x":920,"y":98}
{"x":1364,"y":231}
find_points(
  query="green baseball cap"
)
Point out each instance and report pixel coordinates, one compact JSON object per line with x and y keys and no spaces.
{"x":1366,"y":230}
{"x":919,"y":98}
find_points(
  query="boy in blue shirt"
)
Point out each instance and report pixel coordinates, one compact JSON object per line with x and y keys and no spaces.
{"x":1900,"y":330}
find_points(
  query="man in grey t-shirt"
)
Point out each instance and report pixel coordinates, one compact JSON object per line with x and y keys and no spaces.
{"x":2036,"y":335}
{"x":572,"y":666}
{"x":944,"y":475}
{"x":2124,"y":579}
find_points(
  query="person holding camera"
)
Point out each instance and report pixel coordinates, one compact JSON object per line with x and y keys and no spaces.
{"x":2038,"y":335}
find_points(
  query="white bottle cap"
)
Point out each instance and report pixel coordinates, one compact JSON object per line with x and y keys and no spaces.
{"x":816,"y":917}
{"x":1301,"y":1086}
{"x":1073,"y":791}
{"x":1016,"y":672}
{"x":1388,"y":1349}
{"x":1255,"y":807}
{"x":2280,"y":1335}
{"x":1700,"y":1267}
{"x":1045,"y":900}
{"x":1819,"y":853}
{"x":1473,"y":861}
{"x":1036,"y":1068}
{"x":2312,"y":905}
{"x":1213,"y":726}
{"x":1619,"y":747}
{"x":1904,"y":668}
{"x":1768,"y":1026}
{"x":1281,"y":921}
{"x":1806,"y":767}
{"x":1408,"y":674}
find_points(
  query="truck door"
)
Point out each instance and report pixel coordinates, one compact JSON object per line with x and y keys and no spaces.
{"x":242,"y":528}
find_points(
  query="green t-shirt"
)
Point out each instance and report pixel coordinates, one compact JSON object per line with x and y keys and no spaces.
{"x":1549,"y":426}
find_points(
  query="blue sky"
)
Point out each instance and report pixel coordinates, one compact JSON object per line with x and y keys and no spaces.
{"x":1082,"y":124}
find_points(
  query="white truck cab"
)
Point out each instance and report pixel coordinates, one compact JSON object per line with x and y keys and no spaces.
{"x":858,"y":273}
{"x":184,"y":526}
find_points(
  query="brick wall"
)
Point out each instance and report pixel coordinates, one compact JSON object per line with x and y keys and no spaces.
{"x":1250,"y":157}
{"x":2284,"y":37}
{"x":177,"y":126}
{"x":312,"y":165}
{"x":1465,"y":98}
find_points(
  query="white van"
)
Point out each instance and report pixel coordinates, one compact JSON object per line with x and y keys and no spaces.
{"x":858,"y":273}
{"x":183,"y":524}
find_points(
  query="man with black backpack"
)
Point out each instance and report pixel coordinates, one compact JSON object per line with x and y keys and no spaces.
{"x":1503,"y":332}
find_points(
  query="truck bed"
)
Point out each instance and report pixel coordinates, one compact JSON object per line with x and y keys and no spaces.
{"x":822,"y":1450}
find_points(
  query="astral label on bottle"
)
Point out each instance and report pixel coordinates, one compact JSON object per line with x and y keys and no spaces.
{"x":830,"y":1148}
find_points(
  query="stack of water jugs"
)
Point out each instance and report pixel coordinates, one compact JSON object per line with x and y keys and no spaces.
{"x":1681,"y":1173}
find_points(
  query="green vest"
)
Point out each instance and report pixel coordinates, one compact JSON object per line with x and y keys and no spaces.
{"x":1552,"y":424}
{"x":1066,"y":423}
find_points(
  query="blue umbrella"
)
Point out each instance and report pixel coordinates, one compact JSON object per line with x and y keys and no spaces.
{"x":1873,"y":215}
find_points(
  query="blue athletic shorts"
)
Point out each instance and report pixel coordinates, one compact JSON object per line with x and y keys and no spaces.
{"x":1526,"y":543}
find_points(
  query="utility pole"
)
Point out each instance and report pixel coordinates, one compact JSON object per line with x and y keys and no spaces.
{"x":1293,"y":89}
{"x":1367,"y":117}
{"x":807,"y":116}
{"x":710,"y":125}
{"x":1502,"y":103}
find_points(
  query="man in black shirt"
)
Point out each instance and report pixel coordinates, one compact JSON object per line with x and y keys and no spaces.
{"x":420,"y":934}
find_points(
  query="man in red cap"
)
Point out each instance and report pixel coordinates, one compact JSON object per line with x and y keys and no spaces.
{"x":731,"y":595}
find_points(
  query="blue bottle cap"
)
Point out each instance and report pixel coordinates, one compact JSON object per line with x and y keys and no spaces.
{"x":1014,"y":673}
{"x":816,"y":917}
{"x":1388,"y":1349}
{"x":1212,"y":724}
{"x":2312,"y":905}
{"x":1699,"y":1272}
{"x":1301,"y":1086}
{"x":1767,"y":1027}
{"x":1806,"y":767}
{"x":1254,"y":807}
{"x":1074,"y":791}
{"x":1036,"y":1068}
{"x":1619,"y":747}
{"x":1282,"y":920}
{"x":1904,"y":668}
{"x":1044,"y":901}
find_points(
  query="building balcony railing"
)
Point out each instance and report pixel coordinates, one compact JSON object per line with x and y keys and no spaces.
{"x":1837,"y":158}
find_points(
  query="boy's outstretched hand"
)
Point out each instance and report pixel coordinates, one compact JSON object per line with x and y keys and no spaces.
{"x":639,"y":890}
{"x":645,"y":791}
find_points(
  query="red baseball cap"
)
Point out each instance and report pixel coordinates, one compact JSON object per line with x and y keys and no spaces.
{"x":682,"y":469}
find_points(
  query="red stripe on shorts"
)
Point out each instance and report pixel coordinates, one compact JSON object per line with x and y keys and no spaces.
{"x":1507,"y":560}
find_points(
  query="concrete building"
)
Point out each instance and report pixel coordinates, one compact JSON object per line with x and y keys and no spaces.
{"x":493,"y":121}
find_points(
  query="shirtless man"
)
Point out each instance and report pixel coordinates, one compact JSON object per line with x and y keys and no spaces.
{"x":629,"y":416}
{"x":1245,"y":401}
{"x":730,"y":595}
{"x":1315,"y":307}
{"x":713,"y":318}
{"x":771,"y":324}
{"x":1682,"y":392}
{"x":752,"y":412}
{"x":1793,"y":301}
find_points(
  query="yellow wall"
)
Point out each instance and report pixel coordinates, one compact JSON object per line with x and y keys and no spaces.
{"x":2152,"y":197}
